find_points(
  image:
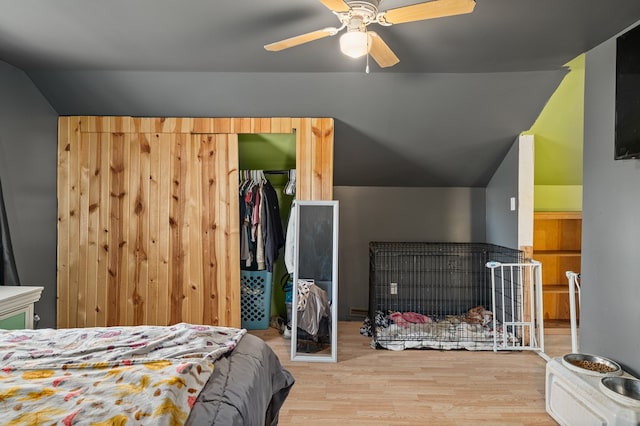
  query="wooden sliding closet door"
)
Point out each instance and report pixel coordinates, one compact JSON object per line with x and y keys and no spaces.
{"x":220,"y":294}
{"x":148,"y":215}
{"x":146,"y":228}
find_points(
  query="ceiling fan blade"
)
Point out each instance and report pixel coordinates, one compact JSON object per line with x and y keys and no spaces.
{"x":428,"y":10}
{"x":301,"y":39}
{"x":380,"y":51}
{"x":336,"y":5}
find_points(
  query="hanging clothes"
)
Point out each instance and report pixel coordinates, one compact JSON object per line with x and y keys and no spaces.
{"x":290,"y":234}
{"x":290,"y":242}
{"x":261,"y":234}
{"x":273,"y":232}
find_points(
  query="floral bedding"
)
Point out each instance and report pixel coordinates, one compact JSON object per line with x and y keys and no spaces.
{"x":108,"y":376}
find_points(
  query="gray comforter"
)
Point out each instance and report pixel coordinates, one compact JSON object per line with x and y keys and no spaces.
{"x":248,"y":387}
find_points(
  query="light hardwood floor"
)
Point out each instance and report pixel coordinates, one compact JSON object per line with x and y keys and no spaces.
{"x":415,"y":387}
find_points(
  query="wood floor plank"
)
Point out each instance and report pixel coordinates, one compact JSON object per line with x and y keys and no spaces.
{"x":413,"y":387}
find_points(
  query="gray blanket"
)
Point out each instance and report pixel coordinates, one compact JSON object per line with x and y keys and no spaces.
{"x":247,"y":388}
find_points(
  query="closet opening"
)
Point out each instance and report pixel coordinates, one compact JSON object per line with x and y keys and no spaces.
{"x":263,"y":274}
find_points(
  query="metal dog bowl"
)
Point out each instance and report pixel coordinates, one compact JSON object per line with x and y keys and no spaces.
{"x":592,"y":365}
{"x":622,"y":389}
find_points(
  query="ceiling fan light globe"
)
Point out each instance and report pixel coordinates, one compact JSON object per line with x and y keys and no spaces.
{"x":354,"y":44}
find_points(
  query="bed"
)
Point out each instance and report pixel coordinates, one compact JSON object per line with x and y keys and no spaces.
{"x":181,"y":374}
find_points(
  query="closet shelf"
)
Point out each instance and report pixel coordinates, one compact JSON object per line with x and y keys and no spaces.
{"x":559,"y":215}
{"x":555,"y":288}
{"x":557,"y":240}
{"x":556,"y":253}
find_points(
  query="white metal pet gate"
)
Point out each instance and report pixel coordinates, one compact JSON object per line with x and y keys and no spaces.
{"x":517,"y":305}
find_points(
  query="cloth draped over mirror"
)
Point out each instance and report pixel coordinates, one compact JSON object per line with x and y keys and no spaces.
{"x":313,"y":305}
{"x":8,"y":270}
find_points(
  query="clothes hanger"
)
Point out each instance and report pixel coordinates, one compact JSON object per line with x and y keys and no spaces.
{"x":290,"y":187}
{"x":241,"y":180}
{"x":249,"y":184}
{"x":244,"y":175}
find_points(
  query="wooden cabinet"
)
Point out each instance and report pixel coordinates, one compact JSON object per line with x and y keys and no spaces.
{"x":557,"y":241}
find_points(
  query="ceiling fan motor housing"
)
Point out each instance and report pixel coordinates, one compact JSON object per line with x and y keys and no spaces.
{"x":362,"y":13}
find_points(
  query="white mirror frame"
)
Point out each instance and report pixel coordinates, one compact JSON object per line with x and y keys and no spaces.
{"x":295,"y":355}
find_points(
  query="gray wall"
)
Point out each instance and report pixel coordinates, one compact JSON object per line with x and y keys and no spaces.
{"x":391,"y":129}
{"x":28,"y":141}
{"x":398,"y":214}
{"x":610,"y":314}
{"x":28,"y":171}
{"x":367,"y":213}
{"x":502,"y":223}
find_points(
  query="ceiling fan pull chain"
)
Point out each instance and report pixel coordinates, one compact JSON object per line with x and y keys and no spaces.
{"x":366,"y":69}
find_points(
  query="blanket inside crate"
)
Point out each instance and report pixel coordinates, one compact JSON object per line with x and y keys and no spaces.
{"x":473,"y":330}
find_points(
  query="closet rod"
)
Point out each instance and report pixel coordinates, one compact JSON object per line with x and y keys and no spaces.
{"x":275,"y":172}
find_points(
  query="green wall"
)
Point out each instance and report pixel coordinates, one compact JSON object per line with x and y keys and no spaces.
{"x":559,"y":134}
{"x":272,"y":151}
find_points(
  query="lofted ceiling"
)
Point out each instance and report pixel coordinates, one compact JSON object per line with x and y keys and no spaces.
{"x":445,"y":115}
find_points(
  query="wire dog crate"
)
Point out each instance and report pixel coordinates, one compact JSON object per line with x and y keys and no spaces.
{"x":440,"y":296}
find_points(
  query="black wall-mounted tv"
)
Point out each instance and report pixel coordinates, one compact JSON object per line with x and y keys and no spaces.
{"x":627,"y":128}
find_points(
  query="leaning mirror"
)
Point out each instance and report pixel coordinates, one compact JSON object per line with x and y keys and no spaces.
{"x":314,"y":328}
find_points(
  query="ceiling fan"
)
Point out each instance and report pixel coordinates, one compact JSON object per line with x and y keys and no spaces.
{"x":357,"y":15}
